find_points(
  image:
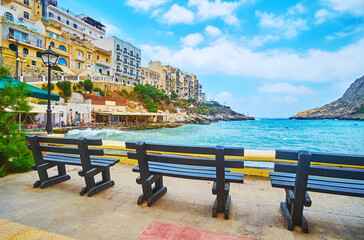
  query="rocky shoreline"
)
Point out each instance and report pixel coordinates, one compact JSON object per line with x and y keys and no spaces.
{"x":191,"y":119}
{"x":349,"y":107}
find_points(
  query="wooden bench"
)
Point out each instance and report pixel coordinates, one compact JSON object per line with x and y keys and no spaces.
{"x":299,"y":178}
{"x":59,"y":156}
{"x":152,"y":167}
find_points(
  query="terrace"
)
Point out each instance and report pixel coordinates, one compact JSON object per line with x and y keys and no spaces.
{"x":254,"y":212}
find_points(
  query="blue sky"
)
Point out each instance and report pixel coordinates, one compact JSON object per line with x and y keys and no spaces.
{"x":264,"y":58}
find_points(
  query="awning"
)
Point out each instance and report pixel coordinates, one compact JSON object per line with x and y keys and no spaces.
{"x":66,"y":70}
{"x":34,"y":91}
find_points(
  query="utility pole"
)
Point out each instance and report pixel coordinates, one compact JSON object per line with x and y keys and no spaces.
{"x":17,"y":60}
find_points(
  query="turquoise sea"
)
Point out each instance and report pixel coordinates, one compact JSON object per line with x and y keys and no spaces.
{"x":263,"y":134}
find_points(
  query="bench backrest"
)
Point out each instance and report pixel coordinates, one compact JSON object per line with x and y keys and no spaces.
{"x":82,"y":149}
{"x":324,"y":171}
{"x":219,"y":162}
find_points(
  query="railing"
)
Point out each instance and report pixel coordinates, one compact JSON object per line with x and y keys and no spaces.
{"x":103,"y":63}
{"x":80,"y":58}
{"x":26,"y":41}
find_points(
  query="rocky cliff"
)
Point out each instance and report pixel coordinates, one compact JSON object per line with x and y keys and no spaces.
{"x":349,"y":107}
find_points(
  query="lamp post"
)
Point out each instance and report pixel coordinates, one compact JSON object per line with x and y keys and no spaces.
{"x":21,"y":67}
{"x":50,"y":59}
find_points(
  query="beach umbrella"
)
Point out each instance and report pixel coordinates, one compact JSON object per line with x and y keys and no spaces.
{"x":33,"y":91}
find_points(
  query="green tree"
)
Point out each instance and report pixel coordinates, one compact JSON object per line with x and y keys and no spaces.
{"x":14,"y":154}
{"x":45,"y":86}
{"x":65,"y":86}
{"x":88,"y":85}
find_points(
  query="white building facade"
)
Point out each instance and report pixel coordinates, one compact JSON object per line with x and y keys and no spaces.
{"x":126,"y":59}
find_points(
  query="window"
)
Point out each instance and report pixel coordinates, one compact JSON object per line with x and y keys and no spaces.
{"x":63,"y":48}
{"x":79,"y":65}
{"x":89,"y":56}
{"x":34,"y":63}
{"x":26,"y":15}
{"x":108,"y":73}
{"x":39,"y":54}
{"x":125,"y":60}
{"x":107,"y":60}
{"x":40,"y":43}
{"x":59,"y":18}
{"x":62,"y":61}
{"x":131,"y":72}
{"x":26,"y":2}
{"x":118,"y":47}
{"x":100,"y":70}
{"x":131,"y":63}
{"x":125,"y":70}
{"x":131,"y":53}
{"x":52,"y":44}
{"x":75,"y":25}
{"x":125,"y":50}
{"x":98,"y":57}
{"x":9,"y":17}
{"x":50,"y":15}
{"x":12,"y":47}
{"x":67,"y":22}
{"x":25,"y":51}
{"x":137,"y":56}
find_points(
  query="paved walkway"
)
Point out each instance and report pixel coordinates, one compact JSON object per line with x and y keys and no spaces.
{"x":114,"y":214}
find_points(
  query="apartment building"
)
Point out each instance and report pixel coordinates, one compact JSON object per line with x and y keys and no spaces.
{"x":79,"y":25}
{"x":126,"y":59}
{"x":22,"y":33}
{"x":154,"y":74}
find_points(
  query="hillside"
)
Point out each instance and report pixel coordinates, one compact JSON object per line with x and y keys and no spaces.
{"x":349,"y":107}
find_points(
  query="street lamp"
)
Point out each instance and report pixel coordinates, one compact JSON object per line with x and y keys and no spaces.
{"x":50,"y":59}
{"x":21,"y":67}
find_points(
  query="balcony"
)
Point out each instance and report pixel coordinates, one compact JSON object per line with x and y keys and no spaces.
{"x":102,"y":63}
{"x":119,"y":60}
{"x":131,"y":55}
{"x":80,"y":58}
{"x":26,"y":41}
{"x":119,"y":50}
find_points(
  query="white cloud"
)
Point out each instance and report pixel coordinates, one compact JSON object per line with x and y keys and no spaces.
{"x":212,"y":31}
{"x":224,"y":97}
{"x":192,"y":40}
{"x":177,"y":14}
{"x":111,"y":29}
{"x":321,"y":16}
{"x":170,"y":33}
{"x":209,"y":10}
{"x":231,"y":58}
{"x":287,"y":99}
{"x":296,"y":9}
{"x":283,"y":87}
{"x":258,"y":41}
{"x":355,"y":7}
{"x":287,"y":26}
{"x":145,"y":5}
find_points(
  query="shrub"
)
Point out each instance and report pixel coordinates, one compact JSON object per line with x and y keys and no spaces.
{"x":74,"y":87}
{"x":43,"y":103}
{"x":88,"y":85}
{"x":14,"y":154}
{"x":150,"y":95}
{"x":65,"y":86}
{"x":80,"y":85}
{"x":102,"y":93}
{"x":45,"y":86}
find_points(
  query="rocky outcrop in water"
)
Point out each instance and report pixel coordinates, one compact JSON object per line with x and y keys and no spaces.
{"x":203,"y":119}
{"x":349,"y":107}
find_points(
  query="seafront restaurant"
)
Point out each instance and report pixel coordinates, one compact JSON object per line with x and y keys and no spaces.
{"x":127,"y":118}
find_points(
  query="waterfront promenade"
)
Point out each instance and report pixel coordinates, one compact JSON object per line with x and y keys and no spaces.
{"x":114,"y":214}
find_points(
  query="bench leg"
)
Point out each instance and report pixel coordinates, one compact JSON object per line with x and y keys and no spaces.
{"x":93,"y":187}
{"x":46,"y":181}
{"x":289,"y":211}
{"x":222,"y":202}
{"x":152,"y":194}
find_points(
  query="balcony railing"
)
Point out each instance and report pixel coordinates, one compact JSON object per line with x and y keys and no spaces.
{"x":80,"y":58}
{"x":36,"y":44}
{"x":118,"y":60}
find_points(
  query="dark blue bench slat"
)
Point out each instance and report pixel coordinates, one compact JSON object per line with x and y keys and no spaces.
{"x":202,"y":175}
{"x":229,"y":151}
{"x":196,"y":161}
{"x":69,"y":141}
{"x":320,"y":182}
{"x":335,"y":172}
{"x":338,"y":180}
{"x":322,"y":189}
{"x":70,"y":150}
{"x":333,"y":158}
{"x":110,"y":161}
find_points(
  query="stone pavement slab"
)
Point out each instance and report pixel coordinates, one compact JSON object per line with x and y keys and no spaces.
{"x":114,"y":214}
